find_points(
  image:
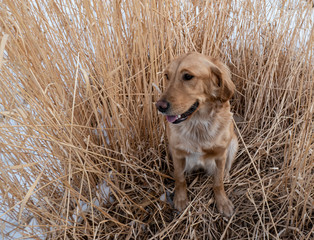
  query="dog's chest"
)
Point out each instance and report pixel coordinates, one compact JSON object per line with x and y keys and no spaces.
{"x":194,"y":161}
{"x":193,"y":138}
{"x":195,"y":158}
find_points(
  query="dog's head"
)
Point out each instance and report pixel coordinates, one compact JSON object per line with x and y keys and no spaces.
{"x":192,"y":80}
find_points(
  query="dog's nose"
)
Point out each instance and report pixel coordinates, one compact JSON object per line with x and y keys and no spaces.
{"x":162,"y":105}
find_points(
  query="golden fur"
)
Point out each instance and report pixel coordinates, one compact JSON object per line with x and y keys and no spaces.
{"x":206,"y":138}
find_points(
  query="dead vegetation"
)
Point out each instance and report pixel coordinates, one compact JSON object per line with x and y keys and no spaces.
{"x":78,"y":83}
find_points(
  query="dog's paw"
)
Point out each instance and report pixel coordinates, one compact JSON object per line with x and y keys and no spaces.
{"x":225,"y":207}
{"x":180,"y":201}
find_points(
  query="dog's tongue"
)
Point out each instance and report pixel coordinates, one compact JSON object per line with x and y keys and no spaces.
{"x":171,"y":118}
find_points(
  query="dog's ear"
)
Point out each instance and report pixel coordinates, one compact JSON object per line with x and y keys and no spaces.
{"x":225,"y":87}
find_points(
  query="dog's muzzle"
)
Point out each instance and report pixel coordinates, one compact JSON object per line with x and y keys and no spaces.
{"x":182,"y":117}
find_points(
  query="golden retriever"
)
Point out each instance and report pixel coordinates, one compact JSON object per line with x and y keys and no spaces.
{"x":200,"y":128}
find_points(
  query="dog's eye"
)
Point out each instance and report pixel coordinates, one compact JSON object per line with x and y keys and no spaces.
{"x":166,"y":76}
{"x":187,"y":76}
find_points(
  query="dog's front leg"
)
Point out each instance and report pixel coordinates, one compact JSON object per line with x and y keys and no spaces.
{"x":180,"y":194}
{"x":224,"y":205}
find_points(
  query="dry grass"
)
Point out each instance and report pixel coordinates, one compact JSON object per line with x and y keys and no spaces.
{"x":78,"y":81}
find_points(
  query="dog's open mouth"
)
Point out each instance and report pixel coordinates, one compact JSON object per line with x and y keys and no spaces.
{"x":182,"y":117}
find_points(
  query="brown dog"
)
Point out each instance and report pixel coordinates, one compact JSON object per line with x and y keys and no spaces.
{"x":200,"y":130}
